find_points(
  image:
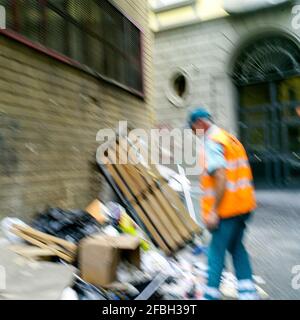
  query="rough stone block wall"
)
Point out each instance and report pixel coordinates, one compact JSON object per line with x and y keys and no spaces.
{"x":50,"y":114}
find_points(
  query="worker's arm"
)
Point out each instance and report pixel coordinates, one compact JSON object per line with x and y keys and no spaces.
{"x":216,"y":168}
{"x":220,"y":186}
{"x":213,"y":219}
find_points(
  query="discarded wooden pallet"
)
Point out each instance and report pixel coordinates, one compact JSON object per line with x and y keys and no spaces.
{"x":59,"y":247}
{"x":157,"y":206}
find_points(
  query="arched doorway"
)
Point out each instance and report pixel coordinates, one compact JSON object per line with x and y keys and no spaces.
{"x":267,"y":76}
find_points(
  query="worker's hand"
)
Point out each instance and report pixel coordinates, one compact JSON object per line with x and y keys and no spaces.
{"x":212,"y":221}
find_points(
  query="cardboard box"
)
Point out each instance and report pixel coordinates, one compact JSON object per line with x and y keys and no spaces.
{"x":99,"y":257}
{"x":97,"y":210}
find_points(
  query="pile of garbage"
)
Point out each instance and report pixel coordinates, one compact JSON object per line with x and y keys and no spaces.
{"x":99,"y":251}
{"x":98,"y":254}
{"x":149,"y":246}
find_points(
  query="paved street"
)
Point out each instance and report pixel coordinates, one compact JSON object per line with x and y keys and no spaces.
{"x":273,"y":240}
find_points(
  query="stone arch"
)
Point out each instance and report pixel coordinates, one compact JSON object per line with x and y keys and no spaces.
{"x":254,"y":36}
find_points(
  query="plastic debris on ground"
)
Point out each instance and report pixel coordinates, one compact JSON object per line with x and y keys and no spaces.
{"x":188,"y":275}
{"x":6,"y":226}
{"x":121,"y":220}
{"x":69,"y":294}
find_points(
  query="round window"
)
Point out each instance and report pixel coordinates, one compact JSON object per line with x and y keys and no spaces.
{"x":179,"y":85}
{"x":178,"y":88}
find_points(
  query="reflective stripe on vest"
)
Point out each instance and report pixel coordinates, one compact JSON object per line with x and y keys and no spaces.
{"x":239,"y":163}
{"x":232,"y":186}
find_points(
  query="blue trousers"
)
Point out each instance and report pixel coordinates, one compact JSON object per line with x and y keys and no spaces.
{"x":229,"y":237}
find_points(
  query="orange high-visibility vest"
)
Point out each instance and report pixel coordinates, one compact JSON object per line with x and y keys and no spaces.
{"x":239,"y":197}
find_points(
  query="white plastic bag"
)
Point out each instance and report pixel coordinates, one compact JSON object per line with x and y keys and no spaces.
{"x":7,"y":224}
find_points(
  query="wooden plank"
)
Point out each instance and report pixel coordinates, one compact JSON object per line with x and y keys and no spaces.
{"x":69,"y":246}
{"x":147,"y":179}
{"x":164,"y":219}
{"x":110,"y":168}
{"x":171,"y":195}
{"x":49,"y":244}
{"x":40,"y":244}
{"x":148,"y":224}
{"x":183,"y":231}
{"x":152,"y":215}
{"x":32,"y":252}
{"x":174,"y":199}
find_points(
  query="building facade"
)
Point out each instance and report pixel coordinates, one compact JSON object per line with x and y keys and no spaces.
{"x":67,"y":69}
{"x":244,"y":67}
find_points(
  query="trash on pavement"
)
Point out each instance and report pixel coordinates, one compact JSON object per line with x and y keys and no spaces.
{"x":126,"y":224}
{"x":98,"y":210}
{"x":6,"y":226}
{"x":69,"y":225}
{"x":146,"y":246}
{"x":61,"y":248}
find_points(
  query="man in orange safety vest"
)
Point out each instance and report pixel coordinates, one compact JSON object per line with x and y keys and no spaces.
{"x":227,"y":202}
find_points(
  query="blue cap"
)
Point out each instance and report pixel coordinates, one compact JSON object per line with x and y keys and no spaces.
{"x":199,"y":113}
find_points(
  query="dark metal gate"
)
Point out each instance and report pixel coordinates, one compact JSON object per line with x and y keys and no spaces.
{"x":267,"y":76}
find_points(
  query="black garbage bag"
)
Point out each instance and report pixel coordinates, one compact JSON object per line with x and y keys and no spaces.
{"x":69,"y":225}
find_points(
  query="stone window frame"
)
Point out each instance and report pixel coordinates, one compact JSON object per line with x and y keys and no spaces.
{"x":172,"y":96}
